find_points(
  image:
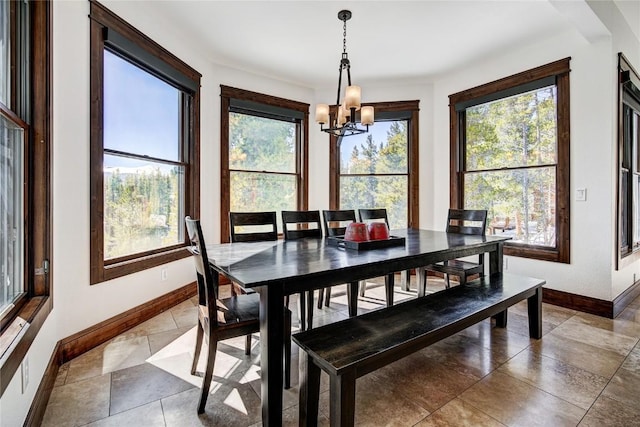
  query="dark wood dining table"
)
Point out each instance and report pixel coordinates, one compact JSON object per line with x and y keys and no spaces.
{"x":276,"y":269}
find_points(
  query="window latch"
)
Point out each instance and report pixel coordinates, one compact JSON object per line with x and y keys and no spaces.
{"x":44,"y":269}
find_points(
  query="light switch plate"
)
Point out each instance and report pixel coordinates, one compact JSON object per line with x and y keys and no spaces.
{"x":581,"y":194}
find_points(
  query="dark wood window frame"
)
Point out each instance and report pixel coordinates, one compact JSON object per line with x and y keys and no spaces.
{"x":387,"y":108}
{"x":149,"y":55}
{"x":227,"y":94}
{"x":21,"y":326}
{"x":628,"y":95}
{"x":560,"y":71}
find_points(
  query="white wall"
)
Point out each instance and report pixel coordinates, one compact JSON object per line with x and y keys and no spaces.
{"x":77,"y":305}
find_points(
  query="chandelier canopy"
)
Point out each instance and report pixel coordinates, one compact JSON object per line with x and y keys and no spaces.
{"x":345,"y":123}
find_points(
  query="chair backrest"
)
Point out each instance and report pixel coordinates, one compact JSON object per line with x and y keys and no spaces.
{"x":258,"y":226}
{"x":370,"y":215}
{"x":467,"y":221}
{"x":207,"y":283}
{"x":300,"y":222}
{"x":334,"y":221}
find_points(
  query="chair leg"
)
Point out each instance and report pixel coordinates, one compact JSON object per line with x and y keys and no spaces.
{"x":363,"y":286}
{"x":446,"y":277}
{"x":320,"y":296}
{"x":287,"y":348}
{"x":196,"y":352}
{"x":328,"y":297}
{"x":247,"y":345}
{"x":286,"y":301}
{"x":208,"y":374}
{"x":463,"y":279}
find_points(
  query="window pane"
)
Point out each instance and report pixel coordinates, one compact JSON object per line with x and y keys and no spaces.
{"x":5,"y":54}
{"x":624,"y":211}
{"x":261,"y":192}
{"x":261,"y":144}
{"x":11,"y":211}
{"x":382,"y":150}
{"x":512,"y":132}
{"x":521,"y":203}
{"x":390,"y":192}
{"x":141,"y":112}
{"x":143,"y":206}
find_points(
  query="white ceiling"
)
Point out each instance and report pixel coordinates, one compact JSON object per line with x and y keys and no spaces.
{"x":301,"y":41}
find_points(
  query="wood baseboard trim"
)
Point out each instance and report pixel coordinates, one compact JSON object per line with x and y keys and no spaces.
{"x":78,"y":343}
{"x":578,"y":302}
{"x":624,"y":299}
{"x":41,"y":398}
{"x":95,"y":335}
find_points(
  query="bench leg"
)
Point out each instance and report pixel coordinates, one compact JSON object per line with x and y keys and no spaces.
{"x":343,"y":400}
{"x":534,"y":307}
{"x":388,"y":284}
{"x":501,"y":319}
{"x":352,"y":298}
{"x":309,"y":393}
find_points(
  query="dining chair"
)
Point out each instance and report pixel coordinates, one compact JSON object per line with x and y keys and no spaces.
{"x":220,"y":319}
{"x":335,"y":224}
{"x":301,"y":225}
{"x":260,"y":227}
{"x":462,"y":221}
{"x":380,"y":214}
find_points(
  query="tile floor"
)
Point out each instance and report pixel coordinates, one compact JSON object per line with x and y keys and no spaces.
{"x":584,"y":371}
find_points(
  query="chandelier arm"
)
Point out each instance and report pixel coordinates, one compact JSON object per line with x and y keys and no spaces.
{"x":340,"y":85}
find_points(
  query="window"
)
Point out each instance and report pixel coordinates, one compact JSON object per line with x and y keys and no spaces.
{"x":510,"y":155}
{"x":379,"y":169}
{"x":144,"y":149}
{"x":25,"y":146}
{"x":264,"y":152}
{"x":629,"y":161}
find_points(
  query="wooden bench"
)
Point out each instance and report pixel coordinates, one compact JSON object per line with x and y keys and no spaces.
{"x":354,"y":347}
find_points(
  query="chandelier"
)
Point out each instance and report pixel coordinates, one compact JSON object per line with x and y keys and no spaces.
{"x":345,"y":124}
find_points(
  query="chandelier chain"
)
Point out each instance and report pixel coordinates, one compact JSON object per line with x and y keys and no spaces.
{"x":344,"y":36}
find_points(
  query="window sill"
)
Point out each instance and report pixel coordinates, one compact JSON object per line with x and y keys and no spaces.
{"x":16,"y":340}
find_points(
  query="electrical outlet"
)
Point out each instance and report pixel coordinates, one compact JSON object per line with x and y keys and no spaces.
{"x":163,"y":274}
{"x":25,"y":374}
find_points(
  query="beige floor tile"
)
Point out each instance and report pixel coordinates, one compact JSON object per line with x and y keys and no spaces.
{"x":61,"y":378}
{"x":580,"y":330}
{"x":503,"y":343}
{"x":460,"y":354}
{"x":550,"y":313}
{"x":631,"y":314}
{"x":78,"y":403}
{"x":111,"y":356}
{"x":520,"y":324}
{"x":585,"y":356}
{"x":459,"y":413}
{"x":185,"y":314}
{"x":607,"y":412}
{"x":618,"y":326}
{"x":230,"y":403}
{"x":160,"y":323}
{"x":632,"y":362}
{"x":516,"y":403}
{"x":377,"y":405}
{"x":149,"y":415}
{"x":562,"y":380}
{"x":624,"y":387}
{"x":179,"y":340}
{"x":424,"y":382}
{"x":142,"y":384}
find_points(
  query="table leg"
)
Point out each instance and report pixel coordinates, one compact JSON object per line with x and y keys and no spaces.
{"x":309,"y":391}
{"x":271,"y":353}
